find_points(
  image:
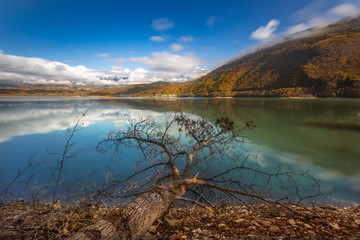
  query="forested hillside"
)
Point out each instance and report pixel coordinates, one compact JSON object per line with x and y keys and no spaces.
{"x":326,"y":63}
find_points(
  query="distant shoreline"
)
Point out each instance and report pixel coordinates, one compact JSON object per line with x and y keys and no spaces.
{"x":167,"y":97}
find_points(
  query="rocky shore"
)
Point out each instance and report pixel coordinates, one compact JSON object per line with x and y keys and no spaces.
{"x":25,"y":220}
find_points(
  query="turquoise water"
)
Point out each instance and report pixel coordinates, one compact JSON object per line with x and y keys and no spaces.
{"x":319,"y":135}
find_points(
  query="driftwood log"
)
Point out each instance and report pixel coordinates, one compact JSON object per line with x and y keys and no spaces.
{"x":134,"y":220}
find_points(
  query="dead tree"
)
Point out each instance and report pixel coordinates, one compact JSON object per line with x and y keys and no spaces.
{"x":186,"y":156}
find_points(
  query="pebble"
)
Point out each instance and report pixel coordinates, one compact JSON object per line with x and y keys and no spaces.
{"x":311,"y":232}
{"x":274,"y":229}
{"x":173,"y":223}
{"x":239,"y":220}
{"x":186,"y":229}
{"x":221,"y":225}
{"x":334,"y":226}
{"x":267,"y":223}
{"x":292,"y":222}
{"x":307,"y":226}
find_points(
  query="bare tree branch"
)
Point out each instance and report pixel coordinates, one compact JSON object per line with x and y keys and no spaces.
{"x":20,"y":173}
{"x":67,"y":154}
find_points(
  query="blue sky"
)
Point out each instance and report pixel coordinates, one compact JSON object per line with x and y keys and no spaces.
{"x":121,"y":42}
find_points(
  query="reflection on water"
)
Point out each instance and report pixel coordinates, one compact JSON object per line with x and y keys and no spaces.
{"x":333,"y":125}
{"x":281,"y":125}
{"x":23,"y":118}
{"x":327,"y":146}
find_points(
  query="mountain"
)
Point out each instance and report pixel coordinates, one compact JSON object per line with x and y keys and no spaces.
{"x":321,"y":62}
{"x":136,"y":90}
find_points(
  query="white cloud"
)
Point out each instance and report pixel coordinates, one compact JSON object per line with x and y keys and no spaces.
{"x":162,"y":24}
{"x":297,"y":28}
{"x":164,"y":61}
{"x":210,"y":21}
{"x":103,"y":55}
{"x":157,"y":39}
{"x":310,"y":11}
{"x":40,"y":71}
{"x":176,"y":47}
{"x":316,"y":15}
{"x":186,"y":39}
{"x":265,"y":31}
{"x":162,"y":66}
{"x":345,"y":10}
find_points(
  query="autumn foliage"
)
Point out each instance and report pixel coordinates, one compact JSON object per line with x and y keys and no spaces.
{"x":326,"y":64}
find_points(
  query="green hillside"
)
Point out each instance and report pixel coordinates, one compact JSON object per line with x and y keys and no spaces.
{"x":324,"y":64}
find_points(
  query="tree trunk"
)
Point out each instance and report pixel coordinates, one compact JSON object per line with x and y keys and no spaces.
{"x":134,"y":220}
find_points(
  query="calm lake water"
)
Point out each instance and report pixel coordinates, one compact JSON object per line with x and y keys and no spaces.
{"x":319,"y":135}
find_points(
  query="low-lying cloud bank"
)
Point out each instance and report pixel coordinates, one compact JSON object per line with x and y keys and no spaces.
{"x":310,"y":18}
{"x":163,"y":66}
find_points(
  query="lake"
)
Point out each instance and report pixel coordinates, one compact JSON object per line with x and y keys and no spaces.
{"x":319,"y":135}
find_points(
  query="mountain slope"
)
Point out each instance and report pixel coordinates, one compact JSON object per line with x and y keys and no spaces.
{"x":324,"y":64}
